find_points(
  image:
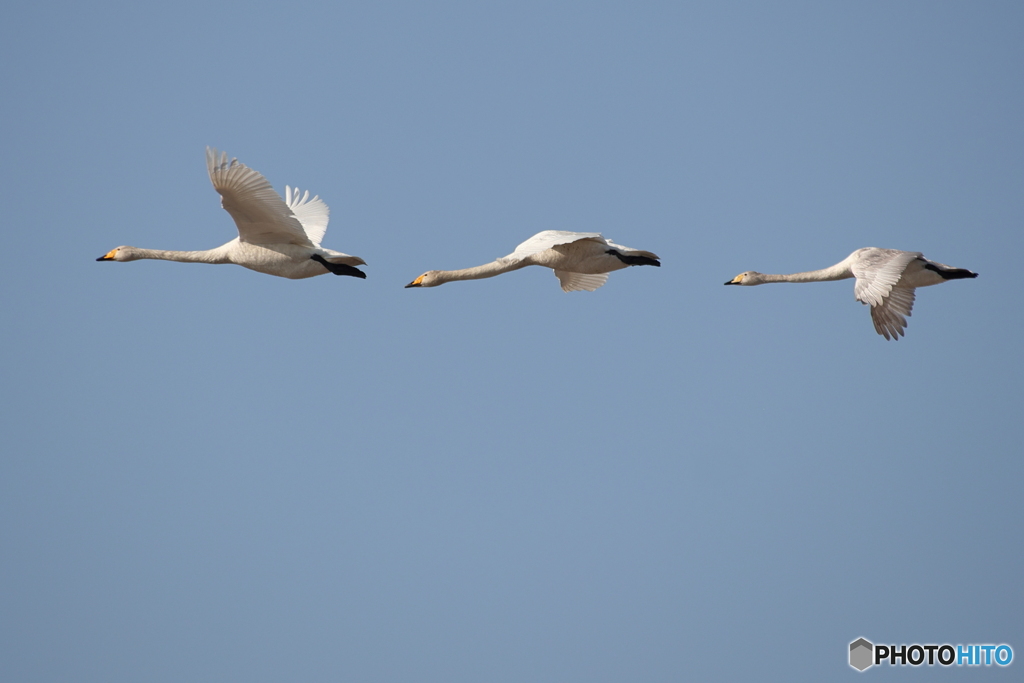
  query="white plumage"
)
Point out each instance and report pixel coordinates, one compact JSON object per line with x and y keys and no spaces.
{"x":886,"y":280}
{"x":581,"y":261}
{"x":275,"y":236}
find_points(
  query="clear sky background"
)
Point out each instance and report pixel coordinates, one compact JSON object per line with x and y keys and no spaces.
{"x":211,"y":474}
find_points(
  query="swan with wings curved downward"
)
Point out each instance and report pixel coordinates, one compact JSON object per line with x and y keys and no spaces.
{"x":886,"y":280}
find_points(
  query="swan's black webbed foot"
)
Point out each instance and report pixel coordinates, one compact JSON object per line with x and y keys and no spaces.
{"x":338,"y":268}
{"x":634,"y":260}
{"x":951,"y":273}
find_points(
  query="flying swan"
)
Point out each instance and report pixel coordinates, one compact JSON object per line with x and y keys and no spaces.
{"x":886,"y":279}
{"x":581,"y":261}
{"x":275,"y":236}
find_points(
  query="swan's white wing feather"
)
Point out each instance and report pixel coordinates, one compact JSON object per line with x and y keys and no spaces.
{"x":313,"y":213}
{"x":877,"y":272}
{"x":550,"y":238}
{"x":630,"y":251}
{"x":340,"y":257}
{"x":888,"y":316}
{"x":260,"y":214}
{"x":575,"y":282}
{"x":627,"y":250}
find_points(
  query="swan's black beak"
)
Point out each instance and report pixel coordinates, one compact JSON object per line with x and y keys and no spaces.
{"x":413,"y":284}
{"x":104,"y":258}
{"x":732,"y":282}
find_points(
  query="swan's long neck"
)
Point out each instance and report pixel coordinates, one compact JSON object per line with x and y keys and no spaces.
{"x":206,"y":256}
{"x":839,"y":271}
{"x":479,"y":272}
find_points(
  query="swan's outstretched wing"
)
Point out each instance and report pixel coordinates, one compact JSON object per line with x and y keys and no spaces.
{"x":313,"y":214}
{"x":575,"y":282}
{"x":889,"y":316}
{"x":550,"y":238}
{"x":260,"y":214}
{"x":878,"y":272}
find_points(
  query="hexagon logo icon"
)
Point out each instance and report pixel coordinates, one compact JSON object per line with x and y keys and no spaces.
{"x":861,"y":654}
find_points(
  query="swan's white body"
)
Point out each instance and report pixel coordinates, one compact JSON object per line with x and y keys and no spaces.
{"x":275,"y":236}
{"x":581,"y":261}
{"x":886,"y":280}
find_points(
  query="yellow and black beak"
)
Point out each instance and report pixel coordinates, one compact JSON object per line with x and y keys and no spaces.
{"x":734,"y":281}
{"x":109,"y":256}
{"x":418,"y":282}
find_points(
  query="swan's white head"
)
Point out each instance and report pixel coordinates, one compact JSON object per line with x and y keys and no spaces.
{"x":120,"y":254}
{"x":428,"y":279}
{"x":751,"y":277}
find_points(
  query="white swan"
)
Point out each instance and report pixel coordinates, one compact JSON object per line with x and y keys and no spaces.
{"x":581,"y":261}
{"x":886,"y":279}
{"x":275,"y":236}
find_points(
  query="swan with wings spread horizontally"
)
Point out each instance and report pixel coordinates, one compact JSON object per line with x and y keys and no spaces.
{"x":581,"y":261}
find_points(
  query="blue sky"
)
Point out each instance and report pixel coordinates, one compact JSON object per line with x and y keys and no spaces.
{"x":213,"y":474}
